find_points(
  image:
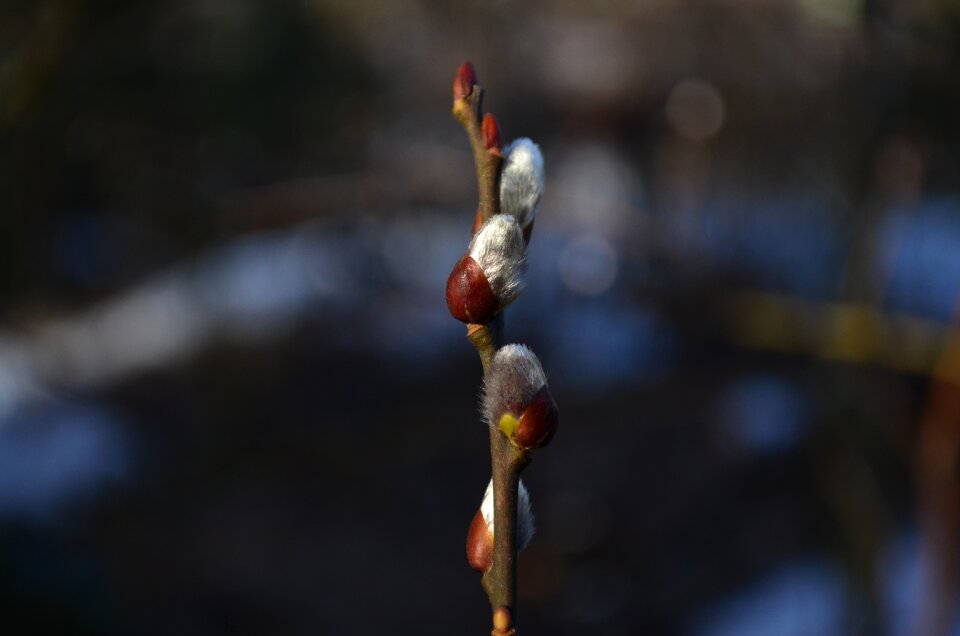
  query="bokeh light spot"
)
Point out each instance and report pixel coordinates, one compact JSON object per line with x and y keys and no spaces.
{"x":588,"y":265}
{"x":696,"y":109}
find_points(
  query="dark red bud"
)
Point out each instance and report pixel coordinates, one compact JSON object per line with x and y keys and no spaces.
{"x":464,"y":81}
{"x":469,"y":296}
{"x":479,"y":544}
{"x":491,"y":134}
{"x":539,"y":422}
{"x":477,"y":222}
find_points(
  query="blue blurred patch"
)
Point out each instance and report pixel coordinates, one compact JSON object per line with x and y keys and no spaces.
{"x":805,"y":598}
{"x":602,"y":345}
{"x":56,"y":453}
{"x":763,"y":414}
{"x":787,"y":241}
{"x":918,"y":252}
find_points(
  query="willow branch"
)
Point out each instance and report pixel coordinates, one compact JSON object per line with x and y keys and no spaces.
{"x":507,"y":461}
{"x":500,"y":581}
{"x":486,"y":339}
{"x":468,"y":112}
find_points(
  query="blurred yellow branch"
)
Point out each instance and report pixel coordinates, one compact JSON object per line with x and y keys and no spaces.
{"x":843,"y":331}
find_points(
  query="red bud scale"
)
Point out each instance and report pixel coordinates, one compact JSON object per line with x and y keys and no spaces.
{"x":470,"y":298}
{"x":464,"y":81}
{"x":479,"y":544}
{"x":491,"y":134}
{"x":538,"y":422}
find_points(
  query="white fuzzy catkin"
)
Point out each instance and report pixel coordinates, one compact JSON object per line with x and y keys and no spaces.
{"x":499,"y":249}
{"x":514,"y":378}
{"x":525,"y":522}
{"x":521,"y":181}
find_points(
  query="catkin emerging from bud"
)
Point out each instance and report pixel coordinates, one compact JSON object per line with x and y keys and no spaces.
{"x":525,"y":522}
{"x":521,"y":181}
{"x":514,"y":378}
{"x":517,"y":400}
{"x":490,"y":275}
{"x":499,"y":250}
{"x":481,"y":532}
{"x":526,"y":526}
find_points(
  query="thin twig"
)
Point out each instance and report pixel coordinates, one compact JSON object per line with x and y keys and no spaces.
{"x":500,"y":581}
{"x":467,"y":111}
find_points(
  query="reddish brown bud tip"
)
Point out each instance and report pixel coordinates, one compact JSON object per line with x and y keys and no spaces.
{"x":502,"y":623}
{"x":477,"y":222}
{"x":470,"y":298}
{"x":464,"y":81}
{"x":479,"y":544}
{"x":538,"y":422}
{"x":491,"y":134}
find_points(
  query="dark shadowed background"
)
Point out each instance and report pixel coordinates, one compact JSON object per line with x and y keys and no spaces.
{"x":232,"y":400}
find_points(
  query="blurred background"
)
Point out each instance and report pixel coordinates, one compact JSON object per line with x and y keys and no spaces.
{"x":232,"y":400}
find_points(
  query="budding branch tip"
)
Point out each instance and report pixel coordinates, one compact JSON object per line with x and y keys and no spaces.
{"x":464,"y":81}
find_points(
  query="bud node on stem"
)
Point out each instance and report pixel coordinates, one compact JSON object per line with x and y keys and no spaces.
{"x":491,"y":135}
{"x":502,"y":623}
